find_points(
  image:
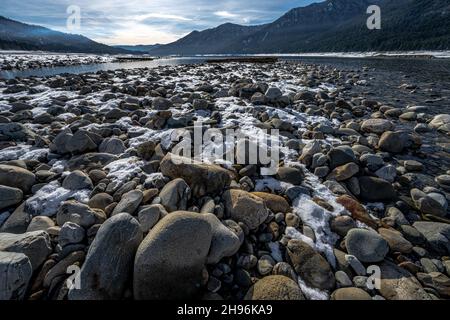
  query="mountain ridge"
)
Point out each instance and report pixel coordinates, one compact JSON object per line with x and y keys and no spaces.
{"x":15,"y":35}
{"x":332,"y":25}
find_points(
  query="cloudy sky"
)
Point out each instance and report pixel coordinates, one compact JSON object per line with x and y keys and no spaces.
{"x":146,"y":21}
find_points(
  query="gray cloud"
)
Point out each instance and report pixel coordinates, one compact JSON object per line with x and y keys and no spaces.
{"x":146,"y":21}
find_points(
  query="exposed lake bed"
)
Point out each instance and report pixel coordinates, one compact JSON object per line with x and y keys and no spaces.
{"x":362,"y":180}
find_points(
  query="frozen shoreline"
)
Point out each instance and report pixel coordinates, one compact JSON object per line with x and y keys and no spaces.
{"x":105,"y":135}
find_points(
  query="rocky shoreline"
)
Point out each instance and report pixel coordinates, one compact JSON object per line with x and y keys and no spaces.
{"x":27,"y":61}
{"x":88,"y":179}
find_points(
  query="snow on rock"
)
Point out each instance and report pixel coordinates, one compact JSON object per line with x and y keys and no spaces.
{"x":49,"y":198}
{"x":23,"y":152}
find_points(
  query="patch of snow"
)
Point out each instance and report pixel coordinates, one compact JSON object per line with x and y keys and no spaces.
{"x":312,"y":293}
{"x":122,"y":170}
{"x":48,"y":199}
{"x":22,"y":152}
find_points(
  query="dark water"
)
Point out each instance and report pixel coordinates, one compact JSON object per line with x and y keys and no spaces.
{"x":77,"y":69}
{"x":430,"y":77}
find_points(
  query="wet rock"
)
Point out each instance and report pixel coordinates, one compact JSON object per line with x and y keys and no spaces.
{"x":245,"y":207}
{"x":18,"y":221}
{"x":440,"y":122}
{"x":170,"y":261}
{"x":35,"y":245}
{"x":161,"y":104}
{"x":109,"y":261}
{"x":16,"y":272}
{"x":367,"y":246}
{"x":412,"y":165}
{"x":201,"y":177}
{"x":342,"y":225}
{"x":275,"y":287}
{"x":175,"y":195}
{"x":388,"y":173}
{"x":310,"y":265}
{"x":444,"y":182}
{"x":372,"y":161}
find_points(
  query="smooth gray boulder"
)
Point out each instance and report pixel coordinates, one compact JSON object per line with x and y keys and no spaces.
{"x":245,"y":207}
{"x":40,"y":223}
{"x":77,"y":180}
{"x":129,"y":203}
{"x":275,"y":287}
{"x":109,"y":261}
{"x":170,"y":260}
{"x":18,"y":221}
{"x":149,"y":215}
{"x":175,"y":195}
{"x":80,"y":214}
{"x":437,"y":235}
{"x":112,"y":146}
{"x":225,"y":241}
{"x":70,"y":233}
{"x":16,"y":177}
{"x":366,"y":245}
{"x":9,"y":196}
{"x":202,"y":178}
{"x":35,"y":245}
{"x":15,"y":275}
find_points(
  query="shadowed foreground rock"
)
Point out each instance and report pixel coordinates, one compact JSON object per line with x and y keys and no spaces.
{"x":170,"y":261}
{"x":15,"y":274}
{"x":109,"y":262}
